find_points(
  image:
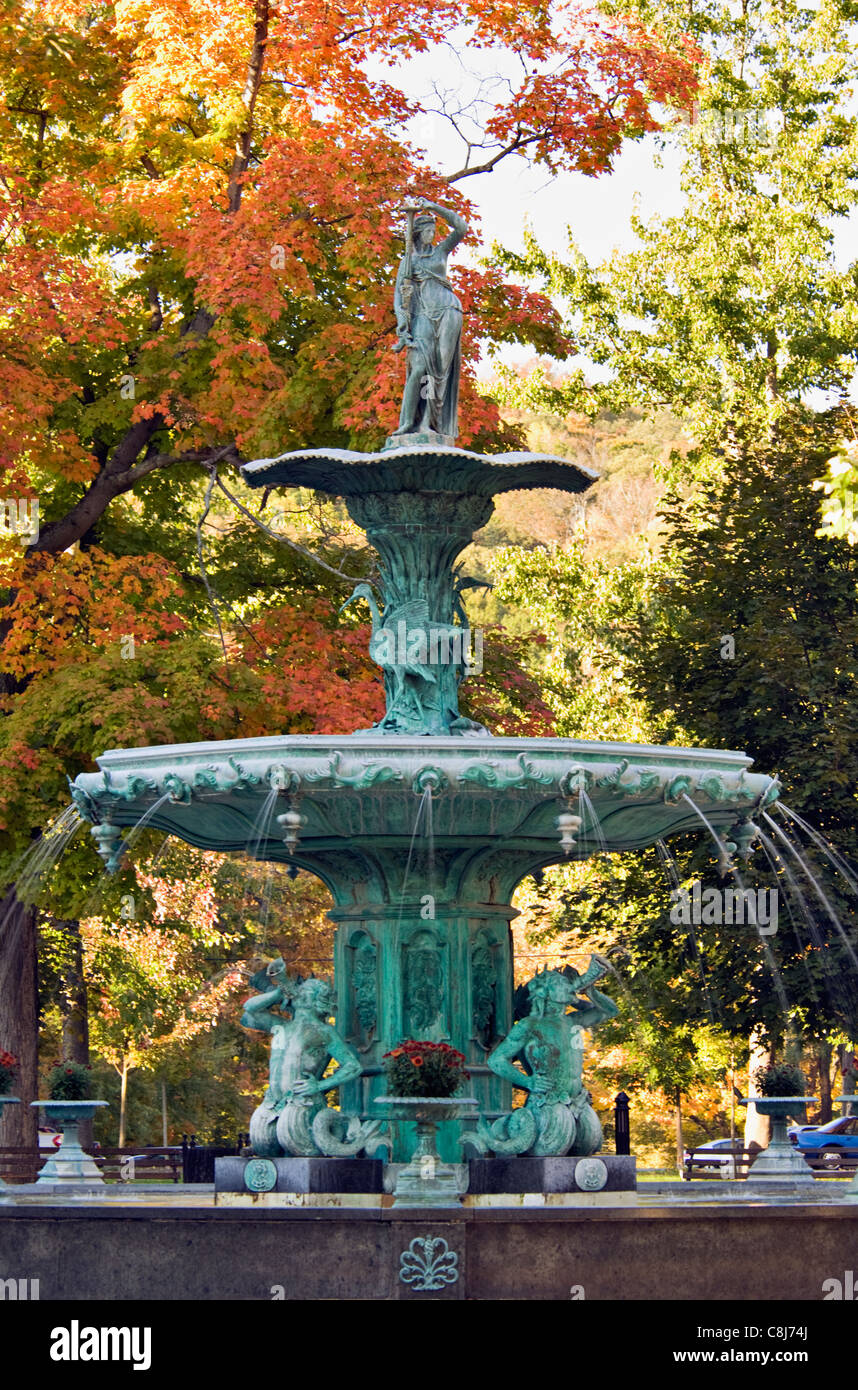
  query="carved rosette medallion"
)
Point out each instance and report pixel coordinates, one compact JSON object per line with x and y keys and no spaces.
{"x":260,"y":1175}
{"x":591,"y":1174}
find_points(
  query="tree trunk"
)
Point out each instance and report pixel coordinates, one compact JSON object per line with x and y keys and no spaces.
{"x":123,"y":1096}
{"x":757,"y":1127}
{"x":823,"y":1063}
{"x":19,"y":1015}
{"x":74,"y":1006}
{"x":849,"y":1077}
{"x":680,"y":1146}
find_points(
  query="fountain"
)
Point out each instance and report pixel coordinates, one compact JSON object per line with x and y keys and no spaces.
{"x":423,"y":946}
{"x":421,"y":828}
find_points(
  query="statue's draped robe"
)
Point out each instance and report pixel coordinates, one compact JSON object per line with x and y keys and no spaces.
{"x":434,"y":307}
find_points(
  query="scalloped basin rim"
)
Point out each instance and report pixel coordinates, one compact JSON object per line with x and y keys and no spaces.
{"x":424,"y":1100}
{"x":425,"y":468}
{"x":358,"y":790}
{"x":779,"y":1100}
{"x":43,"y":1104}
{"x":388,"y":743}
{"x":450,"y":451}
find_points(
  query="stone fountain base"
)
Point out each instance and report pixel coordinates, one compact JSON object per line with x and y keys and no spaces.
{"x":310,"y":1175}
{"x":600,"y":1173}
{"x":749,"y":1251}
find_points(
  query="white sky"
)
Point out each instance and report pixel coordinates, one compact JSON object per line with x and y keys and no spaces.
{"x":645,"y":177}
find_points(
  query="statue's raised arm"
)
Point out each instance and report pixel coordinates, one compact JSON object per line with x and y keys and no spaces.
{"x":429,"y":324}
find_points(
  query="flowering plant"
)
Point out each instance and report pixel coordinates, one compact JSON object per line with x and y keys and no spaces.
{"x":8,"y":1063}
{"x":417,"y":1068}
{"x":69,"y":1081}
{"x":780,"y":1079}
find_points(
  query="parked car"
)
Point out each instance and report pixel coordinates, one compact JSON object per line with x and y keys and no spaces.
{"x":722,"y":1154}
{"x":49,"y":1138}
{"x":825,"y":1145}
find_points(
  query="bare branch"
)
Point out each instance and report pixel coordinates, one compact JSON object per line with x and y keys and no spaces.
{"x":519,"y":143}
{"x":284,"y":540}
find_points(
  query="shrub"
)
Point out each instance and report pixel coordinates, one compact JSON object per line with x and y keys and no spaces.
{"x":8,"y":1065}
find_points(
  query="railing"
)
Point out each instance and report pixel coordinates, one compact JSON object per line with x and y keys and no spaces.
{"x":198,"y":1159}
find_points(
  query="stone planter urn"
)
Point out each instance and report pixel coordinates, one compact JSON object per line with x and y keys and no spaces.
{"x":781,"y":1160}
{"x":69,"y":1167}
{"x":6,"y":1100}
{"x":427,"y":1181}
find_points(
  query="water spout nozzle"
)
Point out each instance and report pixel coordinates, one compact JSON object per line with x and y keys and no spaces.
{"x":110,"y":845}
{"x":568,"y":824}
{"x":291,"y":822}
{"x":428,"y":779}
{"x":283,"y":779}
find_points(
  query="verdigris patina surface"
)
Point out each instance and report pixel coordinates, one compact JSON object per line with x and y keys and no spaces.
{"x":557,"y":1117}
{"x":423,"y":942}
{"x":429,"y":323}
{"x":294,"y":1117}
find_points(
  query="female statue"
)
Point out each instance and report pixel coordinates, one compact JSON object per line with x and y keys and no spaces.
{"x":429,"y":323}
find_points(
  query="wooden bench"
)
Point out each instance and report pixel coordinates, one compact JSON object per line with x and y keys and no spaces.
{"x":705,"y":1163}
{"x":21,"y":1165}
{"x":710,"y":1163}
{"x":129,"y":1164}
{"x":848,"y":1164}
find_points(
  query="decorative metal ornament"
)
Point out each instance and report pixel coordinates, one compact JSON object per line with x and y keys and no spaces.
{"x":428,"y":1264}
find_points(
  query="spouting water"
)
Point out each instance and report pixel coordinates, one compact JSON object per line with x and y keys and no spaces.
{"x":780,"y":869}
{"x":820,"y":893}
{"x":825,"y":845}
{"x":40,"y":858}
{"x":590,"y":821}
{"x":424,"y":813}
{"x":141,"y":824}
{"x":430,"y":841}
{"x":261,"y":827}
{"x":726,"y":860}
{"x":668,"y":864}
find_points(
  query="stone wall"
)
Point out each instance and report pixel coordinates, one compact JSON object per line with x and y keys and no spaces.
{"x":497,"y":1254}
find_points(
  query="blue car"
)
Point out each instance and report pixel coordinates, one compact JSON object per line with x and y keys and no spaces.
{"x":826,"y":1145}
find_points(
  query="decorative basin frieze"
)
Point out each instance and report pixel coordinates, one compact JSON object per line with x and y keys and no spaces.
{"x":366,"y":787}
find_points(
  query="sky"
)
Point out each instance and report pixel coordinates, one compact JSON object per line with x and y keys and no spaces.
{"x":645,"y":179}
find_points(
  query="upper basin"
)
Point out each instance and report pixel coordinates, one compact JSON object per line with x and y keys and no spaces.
{"x":363,"y":788}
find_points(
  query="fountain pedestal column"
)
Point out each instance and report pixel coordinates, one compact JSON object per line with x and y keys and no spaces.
{"x":429,"y":970}
{"x":69,"y":1168}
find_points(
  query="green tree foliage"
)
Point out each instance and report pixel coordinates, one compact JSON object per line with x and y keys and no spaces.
{"x":744,"y":636}
{"x":739,"y":305}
